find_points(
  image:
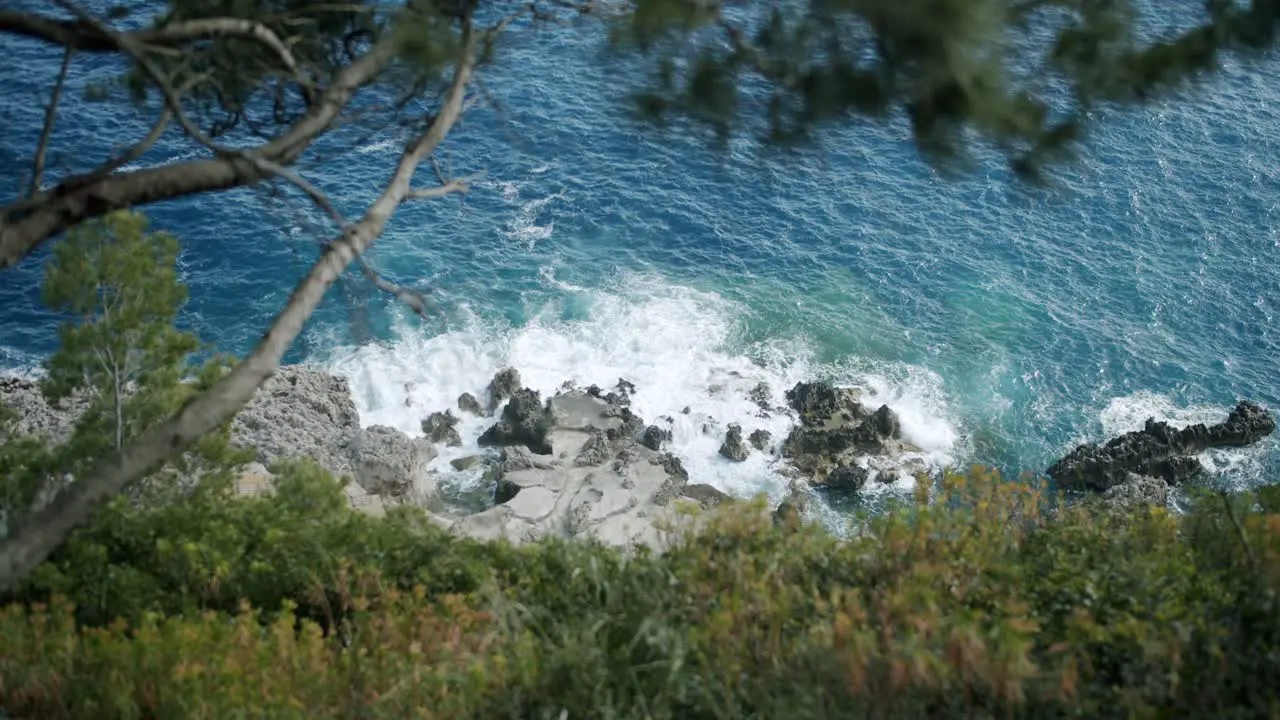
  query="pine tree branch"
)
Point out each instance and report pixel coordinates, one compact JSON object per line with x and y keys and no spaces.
{"x":23,"y":229}
{"x":50,"y":115}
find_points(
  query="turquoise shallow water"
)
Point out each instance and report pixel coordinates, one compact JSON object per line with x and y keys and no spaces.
{"x":1005,"y":324}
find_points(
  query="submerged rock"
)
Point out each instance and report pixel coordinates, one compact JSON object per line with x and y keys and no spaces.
{"x":760,"y":439}
{"x":466,"y":463}
{"x":1159,"y":450}
{"x":440,"y":427}
{"x":762,"y":396}
{"x":469,"y":404}
{"x":733,"y":447}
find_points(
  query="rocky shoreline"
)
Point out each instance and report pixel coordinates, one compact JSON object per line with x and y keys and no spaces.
{"x":581,"y":463}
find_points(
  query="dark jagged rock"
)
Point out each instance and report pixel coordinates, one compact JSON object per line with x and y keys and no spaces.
{"x":846,"y":479}
{"x":733,"y":447}
{"x":440,"y":427}
{"x":1159,"y":450}
{"x":706,"y":495}
{"x":468,"y":403}
{"x":653,"y":437}
{"x":818,"y":402}
{"x":504,"y":385}
{"x":835,"y":432}
{"x":760,"y":439}
{"x":885,"y":422}
{"x":625,"y":387}
{"x":525,"y":421}
{"x":762,"y":396}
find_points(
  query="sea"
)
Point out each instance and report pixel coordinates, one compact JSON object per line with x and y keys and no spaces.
{"x":1005,"y":323}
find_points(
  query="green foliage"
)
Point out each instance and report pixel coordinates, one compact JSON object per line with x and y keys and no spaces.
{"x":971,"y":602}
{"x":121,"y":361}
{"x":120,"y":285}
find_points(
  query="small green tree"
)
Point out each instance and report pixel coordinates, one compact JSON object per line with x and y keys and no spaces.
{"x":121,"y":352}
{"x":121,"y":360}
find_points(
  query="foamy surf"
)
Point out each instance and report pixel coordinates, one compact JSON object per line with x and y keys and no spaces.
{"x":680,"y":349}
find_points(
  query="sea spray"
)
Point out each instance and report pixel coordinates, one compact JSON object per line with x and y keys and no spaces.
{"x":678,"y":346}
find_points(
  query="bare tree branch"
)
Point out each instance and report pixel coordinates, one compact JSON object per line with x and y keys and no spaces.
{"x":25,"y":550}
{"x":50,"y":114}
{"x":68,"y":204}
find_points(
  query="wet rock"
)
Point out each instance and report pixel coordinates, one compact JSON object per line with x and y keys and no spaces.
{"x":440,"y":427}
{"x":653,"y":437}
{"x":817,"y":403}
{"x":525,"y":421}
{"x":706,"y":495}
{"x":1159,"y":450}
{"x":762,"y":396}
{"x":469,"y":404}
{"x":387,"y":462}
{"x":886,"y":477}
{"x":760,"y":439}
{"x":466,"y":463}
{"x":837,"y":437}
{"x":885,"y":422}
{"x":733,"y":447}
{"x":505,"y":384}
{"x":846,"y":479}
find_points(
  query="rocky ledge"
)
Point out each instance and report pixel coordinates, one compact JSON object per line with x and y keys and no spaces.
{"x":1140,"y":466}
{"x":579,"y":463}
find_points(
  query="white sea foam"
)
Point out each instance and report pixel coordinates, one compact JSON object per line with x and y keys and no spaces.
{"x":680,"y":348}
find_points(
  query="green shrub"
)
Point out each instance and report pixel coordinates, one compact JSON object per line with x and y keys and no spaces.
{"x":972,"y":603}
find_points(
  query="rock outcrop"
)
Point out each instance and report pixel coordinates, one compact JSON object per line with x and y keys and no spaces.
{"x":525,"y":421}
{"x":301,"y":413}
{"x":734,"y":447}
{"x":391,"y":464}
{"x":441,"y":427}
{"x":1159,"y":450}
{"x":760,"y":439}
{"x":469,"y":404}
{"x":502,"y":387}
{"x":838,"y":439}
{"x":33,"y":415}
{"x":592,"y":478}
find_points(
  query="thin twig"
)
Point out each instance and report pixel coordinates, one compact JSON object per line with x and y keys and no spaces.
{"x":50,"y":114}
{"x":1244,"y":540}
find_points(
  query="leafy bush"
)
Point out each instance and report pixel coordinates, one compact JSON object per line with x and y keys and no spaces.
{"x":975,"y":602}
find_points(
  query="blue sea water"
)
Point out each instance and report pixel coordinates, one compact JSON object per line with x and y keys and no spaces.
{"x":1005,"y":324}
